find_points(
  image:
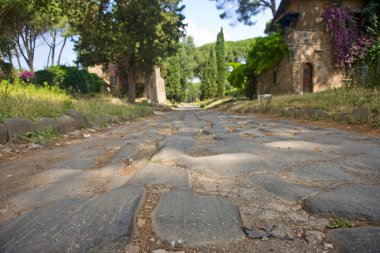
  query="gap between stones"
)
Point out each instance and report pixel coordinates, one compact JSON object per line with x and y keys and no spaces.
{"x":143,"y":234}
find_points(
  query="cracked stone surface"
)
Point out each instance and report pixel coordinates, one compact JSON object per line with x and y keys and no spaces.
{"x":282,"y":189}
{"x":74,"y":224}
{"x":193,"y":178}
{"x":350,"y":240}
{"x":352,"y":201}
{"x":183,"y":217}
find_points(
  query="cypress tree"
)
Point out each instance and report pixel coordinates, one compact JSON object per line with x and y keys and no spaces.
{"x":221,"y":63}
{"x":208,"y":88}
{"x":173,"y":79}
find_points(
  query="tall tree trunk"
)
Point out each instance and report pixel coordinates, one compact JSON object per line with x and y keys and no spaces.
{"x":273,"y":7}
{"x":60,"y":52}
{"x":147,"y":86}
{"x":18,"y":57}
{"x":251,"y":90}
{"x":28,"y":41}
{"x":53,"y":45}
{"x":9,"y":54}
{"x":131,"y":85}
{"x":48,"y":58}
{"x":271,"y":4}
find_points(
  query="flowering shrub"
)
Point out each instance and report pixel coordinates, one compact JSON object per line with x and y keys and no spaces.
{"x":26,"y":76}
{"x":350,"y":43}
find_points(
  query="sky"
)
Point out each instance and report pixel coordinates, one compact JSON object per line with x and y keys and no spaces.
{"x":203,"y":24}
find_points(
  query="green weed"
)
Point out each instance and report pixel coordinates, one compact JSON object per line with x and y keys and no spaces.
{"x":339,"y":222}
{"x":41,"y":136}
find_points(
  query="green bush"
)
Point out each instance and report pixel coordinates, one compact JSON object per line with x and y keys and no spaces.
{"x":43,"y":76}
{"x":373,"y":61}
{"x":71,"y":79}
{"x":5,"y":70}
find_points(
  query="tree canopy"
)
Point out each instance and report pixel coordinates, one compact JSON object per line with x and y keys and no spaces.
{"x":235,"y":51}
{"x":178,"y":71}
{"x":265,"y":53}
{"x":23,"y":23}
{"x":132,"y":34}
{"x":244,"y":10}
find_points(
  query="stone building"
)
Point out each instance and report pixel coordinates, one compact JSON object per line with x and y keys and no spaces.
{"x":309,"y":66}
{"x":153,"y":86}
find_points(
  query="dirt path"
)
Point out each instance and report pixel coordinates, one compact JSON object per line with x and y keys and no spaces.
{"x":189,"y":181}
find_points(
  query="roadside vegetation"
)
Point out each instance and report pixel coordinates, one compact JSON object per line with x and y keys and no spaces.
{"x":20,"y":99}
{"x":335,"y":105}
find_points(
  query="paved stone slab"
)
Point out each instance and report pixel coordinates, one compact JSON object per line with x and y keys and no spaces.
{"x":78,"y":116}
{"x":282,"y":189}
{"x":18,"y":127}
{"x":66,"y":183}
{"x":321,"y":171}
{"x":3,"y":134}
{"x":43,"y":123}
{"x":67,"y":124}
{"x":368,"y":162}
{"x":181,"y":216}
{"x":76,"y":163}
{"x":224,"y":164}
{"x":351,"y":201}
{"x":173,"y":147}
{"x":100,"y":224}
{"x":159,"y":174}
{"x":353,"y":240}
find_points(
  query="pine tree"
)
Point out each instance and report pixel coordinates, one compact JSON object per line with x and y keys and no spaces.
{"x":208,"y":88}
{"x":221,"y":63}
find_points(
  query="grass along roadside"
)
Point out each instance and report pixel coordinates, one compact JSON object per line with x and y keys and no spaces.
{"x":349,"y":105}
{"x":29,"y":101}
{"x":108,"y":106}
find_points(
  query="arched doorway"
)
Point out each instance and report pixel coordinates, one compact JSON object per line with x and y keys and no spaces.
{"x":307,"y":78}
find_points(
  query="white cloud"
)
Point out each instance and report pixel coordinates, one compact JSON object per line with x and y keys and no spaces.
{"x":201,"y":35}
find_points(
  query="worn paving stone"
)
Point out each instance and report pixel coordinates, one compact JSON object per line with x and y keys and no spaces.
{"x":78,"y":116}
{"x":159,"y":174}
{"x":321,"y":171}
{"x":181,"y":216}
{"x":100,"y":224}
{"x":77,"y":163}
{"x":353,"y":240}
{"x":351,"y":201}
{"x":43,"y":123}
{"x":65,"y":183}
{"x":368,"y":161}
{"x":224,"y":164}
{"x":18,"y":127}
{"x":3,"y":134}
{"x":282,"y":189}
{"x":67,"y":124}
{"x":173,"y":147}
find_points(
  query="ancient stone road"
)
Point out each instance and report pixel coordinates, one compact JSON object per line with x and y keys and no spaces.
{"x":190,"y":180}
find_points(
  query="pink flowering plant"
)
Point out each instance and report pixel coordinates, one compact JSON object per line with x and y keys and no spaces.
{"x":350,"y":44}
{"x":26,"y":76}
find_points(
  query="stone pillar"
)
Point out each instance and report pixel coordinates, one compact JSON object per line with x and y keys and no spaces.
{"x":156,"y":89}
